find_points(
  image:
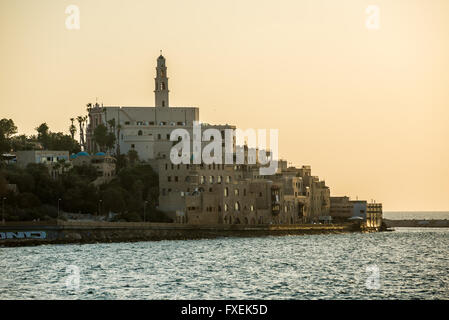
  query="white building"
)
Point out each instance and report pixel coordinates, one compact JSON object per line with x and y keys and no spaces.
{"x":144,"y":129}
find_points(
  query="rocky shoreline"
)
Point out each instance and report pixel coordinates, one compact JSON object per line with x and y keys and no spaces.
{"x":84,"y":233}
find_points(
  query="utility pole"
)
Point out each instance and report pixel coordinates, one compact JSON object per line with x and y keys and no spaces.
{"x":57,"y":219}
{"x":3,"y":210}
{"x":99,"y":207}
{"x":144,"y":210}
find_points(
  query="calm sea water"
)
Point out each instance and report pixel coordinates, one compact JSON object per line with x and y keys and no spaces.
{"x":409,"y":263}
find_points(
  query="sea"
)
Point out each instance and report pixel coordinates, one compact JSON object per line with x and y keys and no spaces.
{"x":408,"y":263}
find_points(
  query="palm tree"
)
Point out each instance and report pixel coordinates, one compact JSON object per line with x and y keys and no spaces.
{"x":81,"y":122}
{"x":72,"y":128}
{"x":117,"y":151}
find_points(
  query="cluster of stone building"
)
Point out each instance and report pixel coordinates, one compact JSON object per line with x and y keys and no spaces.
{"x":217,"y":193}
{"x":203,"y":193}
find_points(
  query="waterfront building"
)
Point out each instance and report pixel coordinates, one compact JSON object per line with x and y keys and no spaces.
{"x":374,"y":214}
{"x":342,"y":209}
{"x":215,"y":193}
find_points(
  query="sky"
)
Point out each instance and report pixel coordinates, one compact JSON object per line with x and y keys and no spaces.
{"x":368,"y":109}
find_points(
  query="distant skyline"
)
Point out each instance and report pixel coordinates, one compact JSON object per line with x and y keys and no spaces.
{"x":367,"y":109}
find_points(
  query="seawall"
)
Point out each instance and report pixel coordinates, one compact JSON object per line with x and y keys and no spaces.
{"x":417,"y":223}
{"x":31,"y":233}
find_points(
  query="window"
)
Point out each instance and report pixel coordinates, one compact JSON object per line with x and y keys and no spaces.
{"x":168,"y":136}
{"x":211,"y":179}
{"x":163,"y":103}
{"x":176,"y":178}
{"x":228,"y":179}
{"x":140,"y":133}
{"x":226,"y":208}
{"x":151,"y":123}
{"x":133,"y":146}
{"x":169,"y":178}
{"x":226,"y":192}
{"x":251,"y":208}
{"x":237,"y":206}
{"x":159,"y":136}
{"x":236,"y":192}
{"x":203,"y":179}
{"x":219,"y":178}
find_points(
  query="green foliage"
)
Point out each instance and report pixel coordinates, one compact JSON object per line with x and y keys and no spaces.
{"x":134,"y":189}
{"x":103,"y":138}
{"x":48,"y":140}
{"x":7,"y":129}
{"x":56,"y":141}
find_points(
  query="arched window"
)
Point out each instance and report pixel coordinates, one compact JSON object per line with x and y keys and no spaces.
{"x":237,"y":206}
{"x":219,"y":178}
{"x":226,"y":208}
{"x":251,"y":208}
{"x":211,"y":179}
{"x":140,"y":133}
{"x":163,"y":103}
{"x":226,"y":192}
{"x":236,"y":192}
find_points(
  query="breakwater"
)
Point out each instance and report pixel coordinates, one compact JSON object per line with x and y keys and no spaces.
{"x":32,"y":233}
{"x":417,"y":223}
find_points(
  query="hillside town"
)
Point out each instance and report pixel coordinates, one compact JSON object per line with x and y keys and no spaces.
{"x":119,"y":145}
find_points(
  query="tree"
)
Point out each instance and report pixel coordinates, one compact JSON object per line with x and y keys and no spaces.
{"x":21,"y":142}
{"x":103,"y":138}
{"x":72,"y":129}
{"x":7,"y":130}
{"x":42,"y":132}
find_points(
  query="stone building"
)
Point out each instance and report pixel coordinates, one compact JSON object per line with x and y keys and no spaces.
{"x":235,"y":194}
{"x":55,"y":161}
{"x":105,"y":165}
{"x":144,"y":129}
{"x":342,"y":209}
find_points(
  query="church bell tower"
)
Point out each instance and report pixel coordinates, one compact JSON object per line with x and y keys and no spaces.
{"x":161,"y":81}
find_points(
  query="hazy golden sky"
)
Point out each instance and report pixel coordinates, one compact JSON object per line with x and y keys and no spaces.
{"x":367,"y":109}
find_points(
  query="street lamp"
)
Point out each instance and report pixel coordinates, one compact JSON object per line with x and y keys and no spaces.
{"x":58,"y":207}
{"x":99,"y":207}
{"x":3,"y":210}
{"x":144,"y":210}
